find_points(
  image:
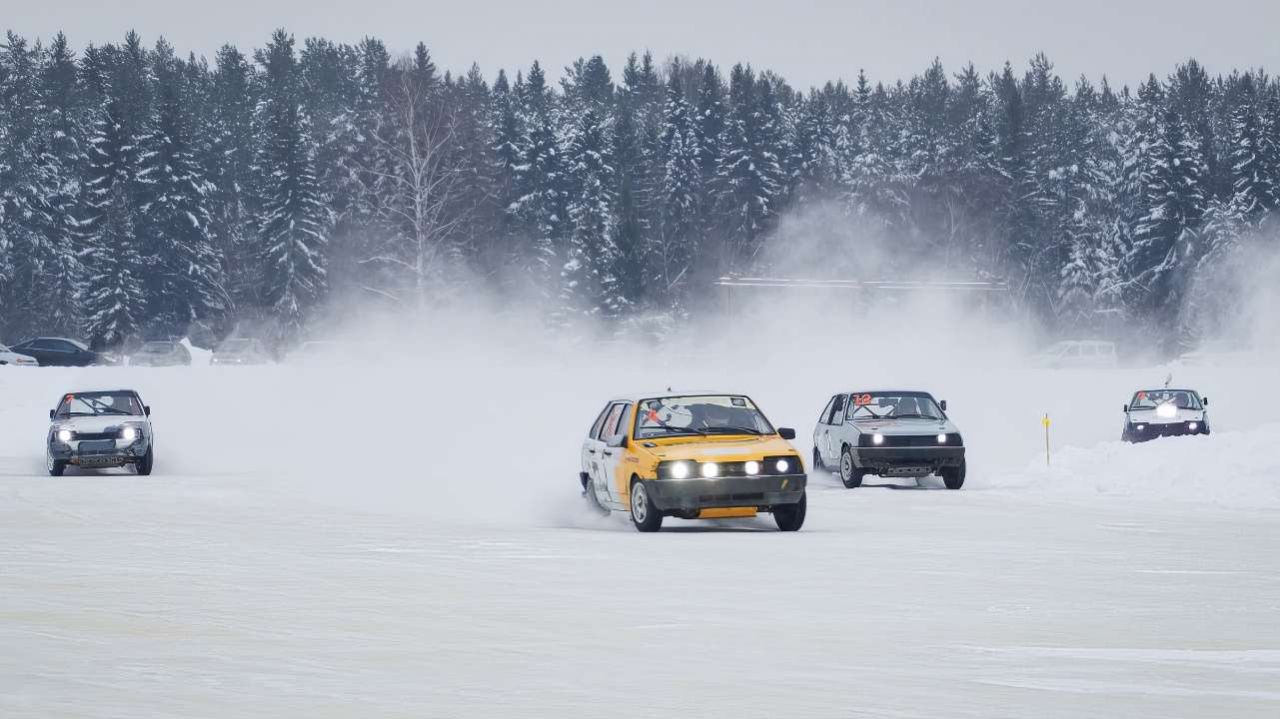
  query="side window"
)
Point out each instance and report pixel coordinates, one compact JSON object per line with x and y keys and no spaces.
{"x":825,"y":417}
{"x":620,"y":425}
{"x":43,"y":345}
{"x":837,"y":410}
{"x":595,"y":428}
{"x":611,"y":421}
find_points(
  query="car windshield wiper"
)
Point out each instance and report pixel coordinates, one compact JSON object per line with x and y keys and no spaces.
{"x":914,"y":415}
{"x":733,"y":430}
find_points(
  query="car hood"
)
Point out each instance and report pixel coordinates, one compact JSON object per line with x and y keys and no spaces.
{"x":1149,"y":416}
{"x":100,"y":423}
{"x":908,"y":427}
{"x":725,"y":448}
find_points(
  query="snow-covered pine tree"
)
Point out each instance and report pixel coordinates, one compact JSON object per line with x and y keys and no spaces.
{"x":590,"y":281}
{"x":293,"y":221}
{"x":114,"y":300}
{"x":183,"y":279}
{"x":233,"y":198}
{"x":674,"y":256}
{"x":749,"y":174}
{"x":540,"y":184}
{"x":1251,"y":185}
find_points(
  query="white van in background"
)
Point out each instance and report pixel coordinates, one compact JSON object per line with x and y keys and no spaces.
{"x":1092,"y":354}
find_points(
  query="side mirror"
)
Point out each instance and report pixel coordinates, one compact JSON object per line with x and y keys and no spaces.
{"x":1205,"y":401}
{"x":786,"y":433}
{"x":1126,"y":408}
{"x":51,"y":413}
{"x":617,"y":441}
{"x":943,"y":405}
{"x":147,"y":410}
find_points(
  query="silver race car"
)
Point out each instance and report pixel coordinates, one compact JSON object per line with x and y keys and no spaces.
{"x":1164,"y":413}
{"x":891,"y":434}
{"x":96,"y":430}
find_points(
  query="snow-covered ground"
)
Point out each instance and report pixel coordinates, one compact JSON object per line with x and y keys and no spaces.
{"x":408,"y":541}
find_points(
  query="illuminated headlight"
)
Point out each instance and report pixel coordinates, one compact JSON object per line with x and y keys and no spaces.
{"x":1166,"y":411}
{"x":942,"y":439}
{"x":783,"y":465}
{"x":65,"y":435}
{"x":1193,"y":426}
{"x":1141,"y":427}
{"x":877,"y":438}
{"x":751,"y":467}
{"x":129,"y":433}
{"x":709,"y":469}
{"x":680,"y":470}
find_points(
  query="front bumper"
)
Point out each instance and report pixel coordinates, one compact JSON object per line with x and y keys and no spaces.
{"x":94,"y":455}
{"x":689,"y":496}
{"x":1167,"y":429}
{"x":907,"y":459}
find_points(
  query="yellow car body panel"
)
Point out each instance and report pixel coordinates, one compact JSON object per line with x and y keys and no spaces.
{"x":641,"y":457}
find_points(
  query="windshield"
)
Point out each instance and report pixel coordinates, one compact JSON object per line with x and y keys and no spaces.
{"x":92,"y":404}
{"x":699,"y":414}
{"x":1152,"y":398}
{"x":892,"y":405}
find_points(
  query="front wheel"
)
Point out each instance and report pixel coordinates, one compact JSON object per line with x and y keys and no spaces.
{"x":850,"y":475}
{"x":790,"y":517}
{"x":143,"y":467}
{"x":55,"y":466}
{"x":953,"y":477}
{"x":644,"y":515}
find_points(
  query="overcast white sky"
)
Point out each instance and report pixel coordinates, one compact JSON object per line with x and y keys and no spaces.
{"x":807,"y":41}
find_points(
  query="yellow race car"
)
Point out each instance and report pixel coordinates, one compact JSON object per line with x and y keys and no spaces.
{"x":693,"y":456}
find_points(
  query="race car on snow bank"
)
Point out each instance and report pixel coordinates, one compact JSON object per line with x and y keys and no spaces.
{"x":95,"y":430}
{"x":890,"y":434}
{"x":693,"y":456}
{"x":1164,"y":413}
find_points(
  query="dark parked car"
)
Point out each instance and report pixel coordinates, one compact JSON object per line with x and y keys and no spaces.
{"x":59,"y":352}
{"x":161,"y":353}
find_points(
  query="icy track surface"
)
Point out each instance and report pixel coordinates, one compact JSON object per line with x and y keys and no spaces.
{"x":338,"y":542}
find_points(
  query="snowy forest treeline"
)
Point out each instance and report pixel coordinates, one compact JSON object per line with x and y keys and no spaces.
{"x":141,"y":192}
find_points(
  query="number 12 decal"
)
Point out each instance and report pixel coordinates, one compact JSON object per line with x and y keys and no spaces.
{"x":861,"y":400}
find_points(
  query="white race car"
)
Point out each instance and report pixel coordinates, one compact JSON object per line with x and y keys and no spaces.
{"x":96,"y":430}
{"x":1164,"y":413}
{"x":9,"y":357}
{"x":888,"y":433}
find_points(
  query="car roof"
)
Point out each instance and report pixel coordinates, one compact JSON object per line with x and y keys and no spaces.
{"x":1166,"y":389}
{"x":887,"y":391}
{"x":101,"y":391}
{"x":637,"y":396}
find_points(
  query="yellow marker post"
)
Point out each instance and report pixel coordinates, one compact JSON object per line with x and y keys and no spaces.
{"x":1045,"y":422}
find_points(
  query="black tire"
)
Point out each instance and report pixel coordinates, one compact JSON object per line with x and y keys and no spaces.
{"x":144,"y":465}
{"x":55,"y":466}
{"x":818,"y":466}
{"x":1206,"y":428}
{"x":644,"y":515}
{"x":850,"y":474}
{"x":953,"y":477}
{"x":790,"y":517}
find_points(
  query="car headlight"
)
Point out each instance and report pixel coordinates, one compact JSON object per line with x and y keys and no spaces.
{"x":129,"y":433}
{"x":1193,"y":426}
{"x":1141,"y":427}
{"x":877,"y":438}
{"x":942,"y":439}
{"x":678,"y":470}
{"x":65,"y":435}
{"x":709,"y":470}
{"x":782,"y":466}
{"x":751,"y":467}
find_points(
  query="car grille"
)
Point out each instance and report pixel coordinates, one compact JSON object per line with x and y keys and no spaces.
{"x":91,"y":436}
{"x":924,"y":440}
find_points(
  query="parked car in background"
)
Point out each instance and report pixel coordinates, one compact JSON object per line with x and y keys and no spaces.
{"x":1091,"y":354}
{"x":240,"y":351}
{"x":161,"y":353}
{"x":61,"y":352}
{"x":11,"y":358}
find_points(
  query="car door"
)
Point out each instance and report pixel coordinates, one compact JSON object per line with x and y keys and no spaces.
{"x":597,"y":455}
{"x":593,"y":446}
{"x":50,"y":352}
{"x":614,"y":430}
{"x":820,"y":430}
{"x":834,"y":429}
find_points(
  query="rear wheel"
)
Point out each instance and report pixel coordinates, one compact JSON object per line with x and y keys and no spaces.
{"x":790,"y":517}
{"x":589,"y":490}
{"x":953,"y":477}
{"x":644,"y":515}
{"x":850,"y":475}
